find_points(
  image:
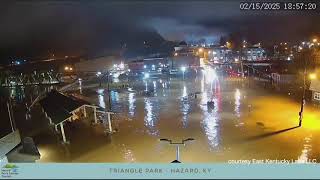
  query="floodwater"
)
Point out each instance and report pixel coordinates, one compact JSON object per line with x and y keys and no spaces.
{"x":246,"y":122}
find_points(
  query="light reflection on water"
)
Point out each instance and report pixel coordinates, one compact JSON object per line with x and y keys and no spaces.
{"x":101,"y":98}
{"x":146,"y":85}
{"x":211,"y":116}
{"x":184,"y":93}
{"x":27,"y":94}
{"x":307,"y":147}
{"x":115,"y":103}
{"x":132,"y":103}
{"x":184,"y":106}
{"x":128,"y":154}
{"x":237,"y":103}
{"x":17,"y":93}
{"x":152,"y":110}
{"x":148,"y":110}
{"x":154,"y":87}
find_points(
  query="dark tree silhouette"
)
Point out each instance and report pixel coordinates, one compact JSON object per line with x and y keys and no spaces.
{"x":308,"y":58}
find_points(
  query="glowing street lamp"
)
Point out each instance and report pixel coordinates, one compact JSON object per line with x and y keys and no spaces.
{"x":200,"y":49}
{"x":175,"y":54}
{"x":314,"y":40}
{"x":98,"y":73}
{"x":228,"y":44}
{"x":312,"y":76}
{"x":68,"y":68}
{"x":177,"y":144}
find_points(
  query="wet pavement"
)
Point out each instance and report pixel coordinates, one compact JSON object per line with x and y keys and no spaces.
{"x":246,"y":122}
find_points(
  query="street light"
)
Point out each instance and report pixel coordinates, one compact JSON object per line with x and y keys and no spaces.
{"x":312,"y":76}
{"x":303,"y":96}
{"x":68,"y":68}
{"x":177,"y":144}
{"x":228,"y":44}
{"x":314,"y":40}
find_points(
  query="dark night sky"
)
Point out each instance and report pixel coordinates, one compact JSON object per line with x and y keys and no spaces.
{"x":37,"y":28}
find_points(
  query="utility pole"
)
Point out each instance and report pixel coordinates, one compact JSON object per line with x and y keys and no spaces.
{"x":303,"y":95}
{"x":109,"y":96}
{"x":109,"y":102}
{"x":242,"y":73}
{"x":241,"y":61}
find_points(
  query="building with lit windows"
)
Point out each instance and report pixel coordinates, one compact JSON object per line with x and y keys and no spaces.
{"x":254,"y":54}
{"x":219,"y":54}
{"x":315,"y":89}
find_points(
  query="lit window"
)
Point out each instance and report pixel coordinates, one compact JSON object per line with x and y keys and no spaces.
{"x":316,"y":96}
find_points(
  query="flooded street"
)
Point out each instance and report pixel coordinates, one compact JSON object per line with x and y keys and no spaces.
{"x":245,"y":122}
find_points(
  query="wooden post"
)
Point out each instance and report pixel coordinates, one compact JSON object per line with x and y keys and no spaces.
{"x":63,"y":134}
{"x":109,"y":121}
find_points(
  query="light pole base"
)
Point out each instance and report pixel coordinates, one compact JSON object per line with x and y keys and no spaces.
{"x":175,"y":161}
